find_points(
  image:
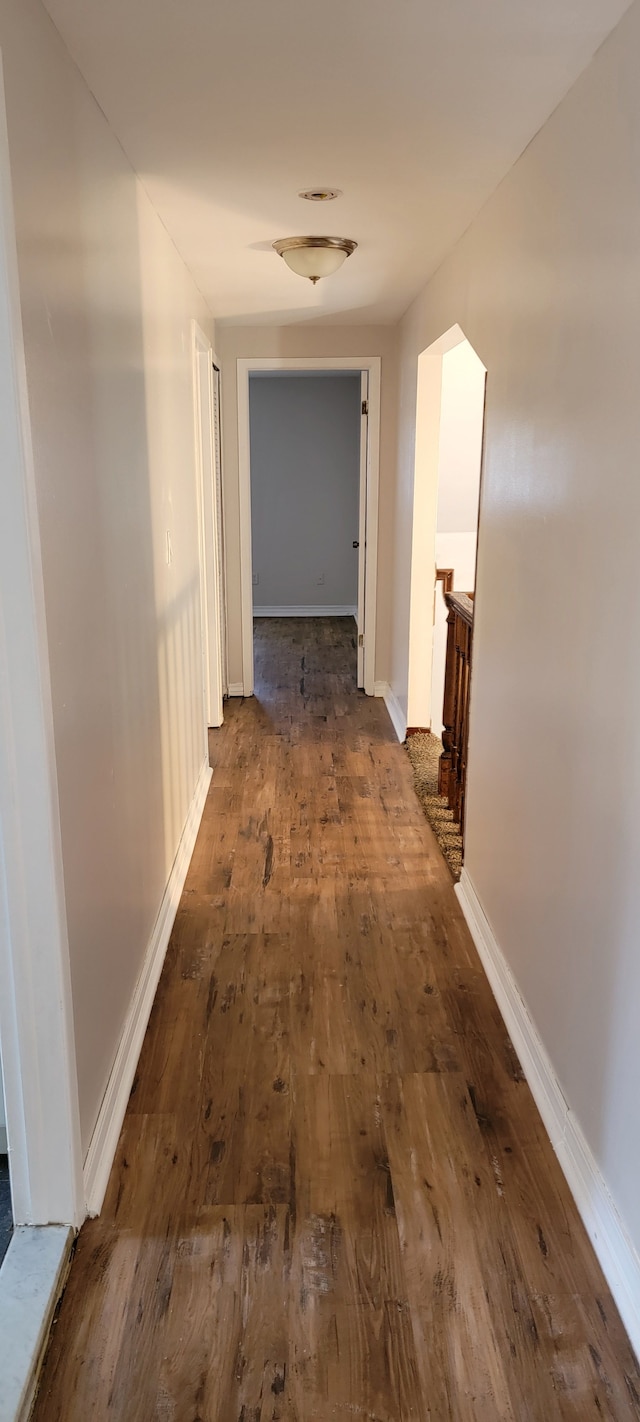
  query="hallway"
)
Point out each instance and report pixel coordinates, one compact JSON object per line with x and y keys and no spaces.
{"x":333,"y":1196}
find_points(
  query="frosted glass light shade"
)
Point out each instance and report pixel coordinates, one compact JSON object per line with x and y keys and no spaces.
{"x":314,"y":262}
{"x":314,"y":257}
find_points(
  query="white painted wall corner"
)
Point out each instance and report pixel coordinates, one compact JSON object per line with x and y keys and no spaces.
{"x":617,"y":1255}
{"x":398,"y":719}
{"x":106,"y":1134}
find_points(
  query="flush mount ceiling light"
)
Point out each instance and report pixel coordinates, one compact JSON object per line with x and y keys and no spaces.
{"x":314,"y":257}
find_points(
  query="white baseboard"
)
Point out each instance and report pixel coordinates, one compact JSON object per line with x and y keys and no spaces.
{"x":106,"y":1134}
{"x":309,"y":611}
{"x":236,"y":688}
{"x":398,"y":720}
{"x":616,"y":1252}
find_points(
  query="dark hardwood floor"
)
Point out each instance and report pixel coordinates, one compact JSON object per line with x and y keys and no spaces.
{"x":6,"y":1211}
{"x":333,"y":1197}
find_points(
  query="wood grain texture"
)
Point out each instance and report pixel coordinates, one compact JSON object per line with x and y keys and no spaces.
{"x":333,"y":1197}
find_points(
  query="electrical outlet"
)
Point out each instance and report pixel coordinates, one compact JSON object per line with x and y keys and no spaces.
{"x":255,"y":579}
{"x":320,"y":582}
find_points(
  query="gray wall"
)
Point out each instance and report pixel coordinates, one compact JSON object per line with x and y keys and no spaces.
{"x":305,"y":441}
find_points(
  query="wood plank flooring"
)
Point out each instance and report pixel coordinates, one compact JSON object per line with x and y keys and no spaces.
{"x":333,"y":1197}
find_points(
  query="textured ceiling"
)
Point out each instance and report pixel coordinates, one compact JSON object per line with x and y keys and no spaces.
{"x":415,"y":108}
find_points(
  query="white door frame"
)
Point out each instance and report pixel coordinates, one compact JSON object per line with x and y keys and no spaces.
{"x":253,"y":365}
{"x":203,"y":359}
{"x":36,"y":1015}
{"x":362,"y":519}
{"x":220,"y":522}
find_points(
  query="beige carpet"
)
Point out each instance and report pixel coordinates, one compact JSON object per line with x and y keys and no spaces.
{"x":424,"y":752}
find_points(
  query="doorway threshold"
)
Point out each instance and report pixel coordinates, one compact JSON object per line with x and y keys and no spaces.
{"x":32,"y":1277}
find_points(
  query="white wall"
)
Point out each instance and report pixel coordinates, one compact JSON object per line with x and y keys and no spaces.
{"x":459,"y":462}
{"x":309,"y":340}
{"x":305,"y":475}
{"x":546,"y":285}
{"x":461,"y":420}
{"x":106,"y":304}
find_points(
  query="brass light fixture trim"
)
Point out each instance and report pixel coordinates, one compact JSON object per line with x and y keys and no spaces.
{"x":330,"y":253}
{"x":320,"y":194}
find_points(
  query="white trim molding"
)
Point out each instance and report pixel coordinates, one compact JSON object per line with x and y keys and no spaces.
{"x":305,"y":611}
{"x":396,"y":714}
{"x":247,"y":366}
{"x":236,"y":688}
{"x":615,"y":1250}
{"x":208,"y":539}
{"x":106,"y":1134}
{"x":36,"y":1012}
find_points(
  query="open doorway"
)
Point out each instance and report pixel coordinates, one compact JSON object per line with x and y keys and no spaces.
{"x":459,"y":465}
{"x":448,"y":461}
{"x":308,"y":457}
{"x":305,"y":476}
{"x":306,"y":431}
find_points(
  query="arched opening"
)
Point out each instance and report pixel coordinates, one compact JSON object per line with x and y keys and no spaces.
{"x":448,"y":460}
